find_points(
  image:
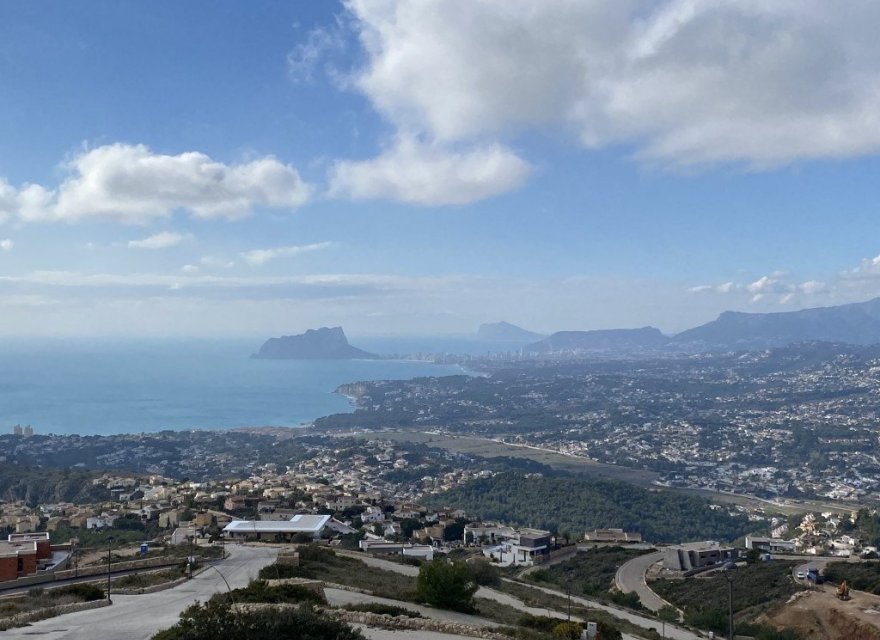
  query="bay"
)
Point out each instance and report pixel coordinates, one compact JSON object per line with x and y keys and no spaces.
{"x":102,"y":387}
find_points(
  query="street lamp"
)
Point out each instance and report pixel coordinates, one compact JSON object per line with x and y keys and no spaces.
{"x":228,"y":588}
{"x":726,"y":570}
{"x":190,"y":559}
{"x":109,"y":548}
{"x":568,"y":592}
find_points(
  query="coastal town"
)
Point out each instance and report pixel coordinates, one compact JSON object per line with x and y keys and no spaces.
{"x":384,"y":499}
{"x":789,"y":422}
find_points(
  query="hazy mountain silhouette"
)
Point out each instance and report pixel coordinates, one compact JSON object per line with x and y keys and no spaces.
{"x":315,"y":344}
{"x":856,"y":323}
{"x":506,"y":331}
{"x":600,"y":340}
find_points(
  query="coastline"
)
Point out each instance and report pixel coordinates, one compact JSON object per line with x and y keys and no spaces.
{"x":109,"y":390}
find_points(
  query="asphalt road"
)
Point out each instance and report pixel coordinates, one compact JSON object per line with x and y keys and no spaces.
{"x":630,"y":577}
{"x":138,"y":617}
{"x":816,"y":563}
{"x":672,"y":632}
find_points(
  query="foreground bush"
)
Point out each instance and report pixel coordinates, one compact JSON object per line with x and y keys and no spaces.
{"x":278,"y":571}
{"x":217,"y":621}
{"x":383,"y":609}
{"x":84,"y":591}
{"x":260,"y":592}
{"x":446,"y":585}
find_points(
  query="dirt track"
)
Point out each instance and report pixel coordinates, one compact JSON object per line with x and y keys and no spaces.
{"x":819,"y":615}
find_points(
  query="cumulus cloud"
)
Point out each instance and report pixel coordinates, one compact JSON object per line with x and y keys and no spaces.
{"x":6,"y":245}
{"x":424,"y":174}
{"x":131,"y":183}
{"x":682,"y":82}
{"x":778,"y":287}
{"x":259,"y":257}
{"x":161,"y":240}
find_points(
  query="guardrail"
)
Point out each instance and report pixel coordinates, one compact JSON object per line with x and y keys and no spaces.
{"x":83,"y":572}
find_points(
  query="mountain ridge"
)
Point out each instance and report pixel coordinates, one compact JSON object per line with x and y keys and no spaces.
{"x":504,"y":330}
{"x":326,"y":343}
{"x":600,"y":340}
{"x":852,"y":323}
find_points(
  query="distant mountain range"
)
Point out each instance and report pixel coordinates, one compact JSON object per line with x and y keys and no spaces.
{"x":507,"y":332}
{"x":856,"y":323}
{"x":600,"y":340}
{"x":315,"y":344}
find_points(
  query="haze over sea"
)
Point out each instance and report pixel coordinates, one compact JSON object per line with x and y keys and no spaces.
{"x":102,"y":387}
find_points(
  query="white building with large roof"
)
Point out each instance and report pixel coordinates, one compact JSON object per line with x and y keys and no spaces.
{"x":277,"y":531}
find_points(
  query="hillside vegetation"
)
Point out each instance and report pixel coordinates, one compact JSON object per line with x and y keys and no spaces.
{"x":574,"y":504}
{"x":48,"y":486}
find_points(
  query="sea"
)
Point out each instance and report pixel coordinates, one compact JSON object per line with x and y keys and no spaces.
{"x":113,"y":386}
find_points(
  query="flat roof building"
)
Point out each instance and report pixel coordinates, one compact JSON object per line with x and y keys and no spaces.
{"x":696,"y":556}
{"x":612,"y":535}
{"x":770,"y":545}
{"x":278,"y":531}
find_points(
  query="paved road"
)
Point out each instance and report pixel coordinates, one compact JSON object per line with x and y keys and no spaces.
{"x":566,"y":554}
{"x":341,"y":597}
{"x":631,"y":577}
{"x":671,"y":631}
{"x":140,"y":616}
{"x":387,"y":565}
{"x":815,"y":563}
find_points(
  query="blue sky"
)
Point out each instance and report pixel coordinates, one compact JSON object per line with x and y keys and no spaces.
{"x":223,"y":168}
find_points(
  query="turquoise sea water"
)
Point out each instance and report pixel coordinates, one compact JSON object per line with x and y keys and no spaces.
{"x":107,"y":387}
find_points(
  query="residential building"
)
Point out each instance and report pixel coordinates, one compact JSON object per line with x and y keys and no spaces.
{"x":770,"y":545}
{"x":311,"y":525}
{"x":696,"y":556}
{"x":612,"y":535}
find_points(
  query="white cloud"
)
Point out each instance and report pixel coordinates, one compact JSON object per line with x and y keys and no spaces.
{"x":190,"y":269}
{"x":424,"y":174}
{"x":259,"y":257}
{"x":161,"y":240}
{"x":6,"y":245}
{"x":303,"y":61}
{"x":130,"y":183}
{"x":210,"y":262}
{"x":682,"y":82}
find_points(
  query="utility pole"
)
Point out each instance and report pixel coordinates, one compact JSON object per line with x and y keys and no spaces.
{"x":190,"y":559}
{"x":726,"y":571}
{"x":568,"y":591}
{"x":109,"y":548}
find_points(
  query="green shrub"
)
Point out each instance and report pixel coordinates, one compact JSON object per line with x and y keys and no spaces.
{"x":215,"y":620}
{"x":541,"y":623}
{"x":567,"y":630}
{"x":85,"y":591}
{"x":484,"y":573}
{"x":446,"y":585}
{"x":259,"y":591}
{"x":278,"y":571}
{"x":315,"y":553}
{"x":383,"y":609}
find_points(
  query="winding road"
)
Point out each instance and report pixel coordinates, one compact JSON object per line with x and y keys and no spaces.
{"x":630,"y":577}
{"x":138,"y":617}
{"x":669,"y":630}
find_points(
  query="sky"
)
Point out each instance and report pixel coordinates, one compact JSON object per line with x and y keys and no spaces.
{"x":219,"y":168}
